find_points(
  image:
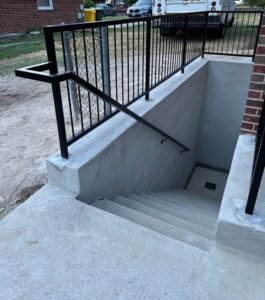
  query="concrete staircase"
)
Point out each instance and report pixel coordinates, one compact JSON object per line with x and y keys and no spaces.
{"x":181,"y":214}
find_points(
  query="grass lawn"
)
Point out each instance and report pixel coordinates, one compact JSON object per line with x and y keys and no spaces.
{"x":30,"y":49}
{"x":115,"y":18}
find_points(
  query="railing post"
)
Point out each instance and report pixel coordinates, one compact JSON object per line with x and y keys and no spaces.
{"x":148,"y":53}
{"x":51,"y":54}
{"x":256,"y":177}
{"x":205,"y":33}
{"x":185,"y":39}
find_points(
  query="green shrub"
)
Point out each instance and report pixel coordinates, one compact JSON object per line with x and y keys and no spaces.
{"x":89,"y":3}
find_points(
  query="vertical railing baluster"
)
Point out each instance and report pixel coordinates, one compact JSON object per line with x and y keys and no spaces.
{"x":78,"y":87}
{"x":205,"y":33}
{"x":185,"y":38}
{"x":147,"y":61}
{"x":87,"y":77}
{"x":66,"y":62}
{"x":56,"y":90}
{"x":105,"y":62}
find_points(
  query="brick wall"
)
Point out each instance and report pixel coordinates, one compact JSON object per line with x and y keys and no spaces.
{"x":255,"y":93}
{"x":21,"y":15}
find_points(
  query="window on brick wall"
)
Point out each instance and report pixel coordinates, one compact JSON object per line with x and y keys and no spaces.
{"x":45,"y":4}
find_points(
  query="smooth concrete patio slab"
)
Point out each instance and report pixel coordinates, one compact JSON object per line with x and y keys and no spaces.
{"x":55,"y":247}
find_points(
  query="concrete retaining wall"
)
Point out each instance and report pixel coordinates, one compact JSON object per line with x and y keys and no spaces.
{"x":223,"y":108}
{"x":202,"y":109}
{"x":235,"y":229}
{"x":123,"y":156}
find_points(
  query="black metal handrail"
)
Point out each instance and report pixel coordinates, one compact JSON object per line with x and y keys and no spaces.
{"x":120,"y":61}
{"x":34,"y":72}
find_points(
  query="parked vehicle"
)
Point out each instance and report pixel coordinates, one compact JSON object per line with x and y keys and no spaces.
{"x":140,"y":9}
{"x":217,"y":20}
{"x":108,"y":9}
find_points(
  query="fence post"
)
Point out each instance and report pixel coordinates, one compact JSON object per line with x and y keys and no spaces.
{"x":148,"y":53}
{"x":205,"y":33}
{"x":105,"y":66}
{"x":51,"y":54}
{"x":185,"y":38}
{"x":258,"y":163}
{"x":256,"y":177}
{"x":69,"y":67}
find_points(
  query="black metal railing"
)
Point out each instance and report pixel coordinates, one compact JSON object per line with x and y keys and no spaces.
{"x":238,"y":35}
{"x":123,"y":60}
{"x":258,"y":163}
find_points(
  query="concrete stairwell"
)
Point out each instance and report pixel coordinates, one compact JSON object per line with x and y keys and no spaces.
{"x":181,"y":214}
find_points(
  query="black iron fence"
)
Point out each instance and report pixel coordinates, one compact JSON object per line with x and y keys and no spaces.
{"x":98,"y":69}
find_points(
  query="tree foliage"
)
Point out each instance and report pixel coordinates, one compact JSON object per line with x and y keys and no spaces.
{"x":89,"y":3}
{"x":256,"y":3}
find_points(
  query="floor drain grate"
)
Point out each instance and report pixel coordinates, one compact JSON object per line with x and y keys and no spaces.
{"x":210,"y":186}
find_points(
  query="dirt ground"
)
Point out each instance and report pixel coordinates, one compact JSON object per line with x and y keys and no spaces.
{"x":28,"y":136}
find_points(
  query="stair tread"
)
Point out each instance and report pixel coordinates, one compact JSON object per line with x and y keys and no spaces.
{"x":184,"y":201}
{"x":189,"y":193}
{"x":168,"y":215}
{"x":191,"y":214}
{"x":191,"y":197}
{"x":154,"y":224}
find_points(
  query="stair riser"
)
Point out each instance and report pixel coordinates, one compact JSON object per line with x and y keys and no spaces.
{"x":163,"y":214}
{"x":203,"y":203}
{"x":180,"y":203}
{"x":202,"y":219}
{"x":154,"y":224}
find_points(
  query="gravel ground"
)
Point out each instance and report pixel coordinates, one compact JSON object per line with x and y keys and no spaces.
{"x":28,"y":136}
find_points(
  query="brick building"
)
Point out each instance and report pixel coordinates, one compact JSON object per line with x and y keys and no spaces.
{"x":255,"y":100}
{"x":18,"y":16}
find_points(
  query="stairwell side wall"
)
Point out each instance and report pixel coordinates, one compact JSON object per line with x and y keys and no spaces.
{"x":223,"y":107}
{"x":122,"y":156}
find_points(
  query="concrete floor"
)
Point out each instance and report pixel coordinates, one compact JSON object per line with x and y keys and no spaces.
{"x":55,"y":247}
{"x":202,"y":175}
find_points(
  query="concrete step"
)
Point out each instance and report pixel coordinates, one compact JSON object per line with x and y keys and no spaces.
{"x":154,"y":224}
{"x":165,"y":214}
{"x":184,"y":201}
{"x":193,"y":198}
{"x":190,"y":214}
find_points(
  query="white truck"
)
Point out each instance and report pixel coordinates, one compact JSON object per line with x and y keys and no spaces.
{"x":216,"y":19}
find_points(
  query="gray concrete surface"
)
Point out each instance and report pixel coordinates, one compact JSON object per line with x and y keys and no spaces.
{"x":202,"y":175}
{"x":54,"y":247}
{"x":162,"y":225}
{"x":202,"y":108}
{"x":223,"y":107}
{"x":122,"y":156}
{"x":235,"y":229}
{"x":178,"y":214}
